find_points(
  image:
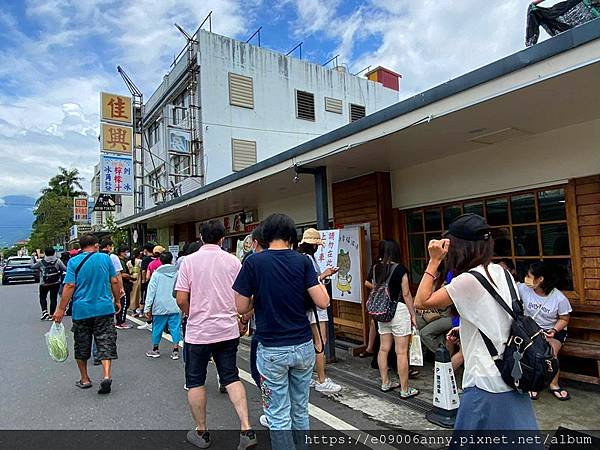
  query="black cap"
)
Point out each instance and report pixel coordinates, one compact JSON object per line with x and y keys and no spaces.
{"x":470,"y":227}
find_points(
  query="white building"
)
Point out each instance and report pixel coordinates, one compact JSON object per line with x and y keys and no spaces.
{"x":250,"y":104}
{"x":124,"y":206}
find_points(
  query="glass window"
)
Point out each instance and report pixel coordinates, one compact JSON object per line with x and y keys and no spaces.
{"x":451,"y":213}
{"x":474,"y":208}
{"x":417,"y":268}
{"x":415,"y":221}
{"x":502,"y":242}
{"x":552,"y":205}
{"x":526,"y":241}
{"x":417,"y":245}
{"x":433,"y":220}
{"x":523,"y":208}
{"x":555,"y":239}
{"x":497,"y":211}
{"x":566,"y":265}
{"x":523,"y":267}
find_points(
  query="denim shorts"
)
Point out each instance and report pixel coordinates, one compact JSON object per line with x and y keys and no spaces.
{"x":197,"y":356}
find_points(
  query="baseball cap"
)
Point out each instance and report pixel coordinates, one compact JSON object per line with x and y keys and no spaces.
{"x":470,"y":227}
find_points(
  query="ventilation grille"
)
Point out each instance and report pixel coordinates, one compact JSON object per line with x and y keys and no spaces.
{"x":356,"y":112}
{"x":244,"y":154}
{"x":241,"y":91}
{"x":333,"y":105}
{"x":305,"y":105}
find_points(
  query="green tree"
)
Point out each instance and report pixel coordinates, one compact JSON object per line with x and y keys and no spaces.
{"x":118,"y":235}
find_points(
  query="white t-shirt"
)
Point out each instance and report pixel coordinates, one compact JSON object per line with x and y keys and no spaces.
{"x":479,"y":311}
{"x":114,"y":259}
{"x":544,"y":310}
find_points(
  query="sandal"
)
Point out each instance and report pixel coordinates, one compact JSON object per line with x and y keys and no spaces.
{"x":559,"y":396}
{"x":82,"y":385}
{"x":365,"y":354}
{"x":387,"y":387}
{"x":534,"y":395}
{"x":412,"y":392}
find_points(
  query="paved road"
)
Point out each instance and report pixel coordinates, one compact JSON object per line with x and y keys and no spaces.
{"x":39,"y":394}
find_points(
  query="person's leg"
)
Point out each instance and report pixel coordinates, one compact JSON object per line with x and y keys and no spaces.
{"x":402,"y":357}
{"x":105,"y":335}
{"x":174,"y":323}
{"x":555,"y":388}
{"x":82,"y":343}
{"x":385,"y":345}
{"x":43,"y":292}
{"x":320,"y":354}
{"x":197,"y":402}
{"x":253,"y":369}
{"x":433,"y":334}
{"x":372,"y":336}
{"x":157,"y":329}
{"x":274,"y":365}
{"x":299,"y":387}
{"x":197,"y":357}
{"x":53,"y":297}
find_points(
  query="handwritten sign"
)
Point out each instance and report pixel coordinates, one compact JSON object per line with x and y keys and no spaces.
{"x":327,"y":254}
{"x":348,"y":283}
{"x":117,"y":175}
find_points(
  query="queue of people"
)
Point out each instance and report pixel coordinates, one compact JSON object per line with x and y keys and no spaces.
{"x":209,"y":299}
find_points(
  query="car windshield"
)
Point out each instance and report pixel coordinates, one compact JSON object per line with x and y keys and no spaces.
{"x":19,"y":261}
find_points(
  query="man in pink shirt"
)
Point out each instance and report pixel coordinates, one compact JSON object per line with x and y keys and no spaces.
{"x":205,"y":295}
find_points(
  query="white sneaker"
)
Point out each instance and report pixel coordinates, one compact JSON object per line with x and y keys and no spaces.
{"x":145,"y":326}
{"x":328,"y":387}
{"x":264,"y":421}
{"x":313,"y":383}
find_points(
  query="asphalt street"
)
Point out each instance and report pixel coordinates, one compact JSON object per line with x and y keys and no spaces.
{"x":37,"y":393}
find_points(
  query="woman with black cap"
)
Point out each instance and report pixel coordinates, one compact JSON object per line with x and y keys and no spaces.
{"x":488,"y":403}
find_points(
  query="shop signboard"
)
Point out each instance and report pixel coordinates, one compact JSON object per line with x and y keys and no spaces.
{"x":116,"y":108}
{"x":117,"y":175}
{"x":348,"y":283}
{"x":80,"y":210}
{"x":116,"y":139}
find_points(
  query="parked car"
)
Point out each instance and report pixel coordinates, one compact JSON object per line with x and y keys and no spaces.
{"x":18,"y":268}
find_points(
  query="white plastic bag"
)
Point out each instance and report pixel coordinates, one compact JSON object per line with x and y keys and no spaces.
{"x":56,"y":341}
{"x":416,"y":351}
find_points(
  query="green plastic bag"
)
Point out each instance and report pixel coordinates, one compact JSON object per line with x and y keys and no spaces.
{"x":56,"y":340}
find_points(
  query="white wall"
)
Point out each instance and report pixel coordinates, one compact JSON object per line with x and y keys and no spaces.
{"x":301,"y":208}
{"x":272,"y":123}
{"x":537,"y":160}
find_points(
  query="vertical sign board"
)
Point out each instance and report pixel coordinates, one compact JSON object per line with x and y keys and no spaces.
{"x":116,"y":108}
{"x":348,"y":283}
{"x":116,"y":139}
{"x":117,"y":175}
{"x":327,"y":254}
{"x":80,"y":210}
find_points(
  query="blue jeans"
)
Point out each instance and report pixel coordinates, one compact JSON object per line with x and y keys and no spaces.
{"x":285,"y":385}
{"x":160,"y":322}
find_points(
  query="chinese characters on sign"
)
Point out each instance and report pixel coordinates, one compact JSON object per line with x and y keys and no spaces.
{"x":327,"y":254}
{"x":179,"y":141}
{"x":116,"y":108}
{"x":117,"y":175}
{"x":348,"y":283}
{"x":117,"y":139}
{"x":80,"y":210}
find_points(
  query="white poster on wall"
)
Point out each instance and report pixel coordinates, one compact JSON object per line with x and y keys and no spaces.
{"x":347,"y":285}
{"x":327,"y":254}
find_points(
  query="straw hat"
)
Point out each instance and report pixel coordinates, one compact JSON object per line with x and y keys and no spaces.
{"x":158,"y":249}
{"x":311,"y":236}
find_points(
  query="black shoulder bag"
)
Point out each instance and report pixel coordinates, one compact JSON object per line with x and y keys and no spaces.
{"x":528,"y":362}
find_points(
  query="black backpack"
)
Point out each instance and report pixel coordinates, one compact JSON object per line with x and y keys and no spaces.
{"x":380,"y":305}
{"x":528,"y":362}
{"x":50,"y":273}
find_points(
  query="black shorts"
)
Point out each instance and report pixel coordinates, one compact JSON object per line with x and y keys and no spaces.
{"x":561,"y":336}
{"x":197,"y":356}
{"x":103,"y":330}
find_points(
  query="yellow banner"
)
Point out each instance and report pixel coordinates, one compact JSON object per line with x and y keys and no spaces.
{"x":116,"y":108}
{"x":116,"y":139}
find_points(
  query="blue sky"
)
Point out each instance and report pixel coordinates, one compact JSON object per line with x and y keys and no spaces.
{"x":58,"y":54}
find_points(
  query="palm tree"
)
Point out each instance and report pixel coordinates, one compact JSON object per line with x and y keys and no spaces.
{"x":64,"y":184}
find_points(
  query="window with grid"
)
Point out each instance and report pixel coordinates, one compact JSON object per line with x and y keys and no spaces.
{"x":527,"y":227}
{"x":153,"y":134}
{"x":305,"y":105}
{"x":180,"y":167}
{"x":357,"y":112}
{"x":179,"y":109}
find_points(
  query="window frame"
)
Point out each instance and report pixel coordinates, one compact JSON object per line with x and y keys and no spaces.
{"x":351,"y":105}
{"x":314,"y":109}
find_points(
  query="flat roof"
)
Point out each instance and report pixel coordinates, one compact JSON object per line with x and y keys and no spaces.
{"x":549,"y":48}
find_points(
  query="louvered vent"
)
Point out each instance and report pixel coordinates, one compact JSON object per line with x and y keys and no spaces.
{"x":305,"y":105}
{"x":356,"y":112}
{"x":241,"y":91}
{"x":243,"y":154}
{"x":333,"y":105}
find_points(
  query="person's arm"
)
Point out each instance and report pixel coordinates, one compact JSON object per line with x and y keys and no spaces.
{"x":368,"y":284}
{"x":115,"y":286}
{"x":408,"y":299}
{"x":183,"y":301}
{"x":426,"y":297}
{"x":536,"y":2}
{"x":560,"y":325}
{"x":36,"y":265}
{"x":61,"y":265}
{"x":319,"y":296}
{"x":150,"y":294}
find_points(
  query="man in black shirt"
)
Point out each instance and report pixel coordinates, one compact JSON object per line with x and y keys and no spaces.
{"x":146,"y":260}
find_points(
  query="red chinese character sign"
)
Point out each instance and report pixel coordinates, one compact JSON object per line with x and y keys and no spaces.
{"x":116,"y":108}
{"x":327,"y":254}
{"x":348,"y":283}
{"x":117,"y":175}
{"x":80,"y":210}
{"x":116,"y":139}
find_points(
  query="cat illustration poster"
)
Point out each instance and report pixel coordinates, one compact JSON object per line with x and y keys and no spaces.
{"x":347,"y":284}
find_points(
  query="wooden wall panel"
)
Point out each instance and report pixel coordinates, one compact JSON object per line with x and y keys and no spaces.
{"x":364,"y":199}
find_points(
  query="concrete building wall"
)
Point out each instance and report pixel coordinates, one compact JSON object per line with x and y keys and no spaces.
{"x":542,"y":159}
{"x":272,"y":123}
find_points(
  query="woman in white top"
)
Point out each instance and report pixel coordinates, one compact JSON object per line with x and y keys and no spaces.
{"x":488,"y":403}
{"x":550,"y":309}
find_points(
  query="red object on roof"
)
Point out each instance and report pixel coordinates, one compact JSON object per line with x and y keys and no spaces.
{"x":387,"y":77}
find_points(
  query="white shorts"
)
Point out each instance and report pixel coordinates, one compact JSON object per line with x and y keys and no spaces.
{"x":400,"y":325}
{"x":321,"y":313}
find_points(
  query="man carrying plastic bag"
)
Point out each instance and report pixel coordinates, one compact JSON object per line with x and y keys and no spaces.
{"x":89,"y":281}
